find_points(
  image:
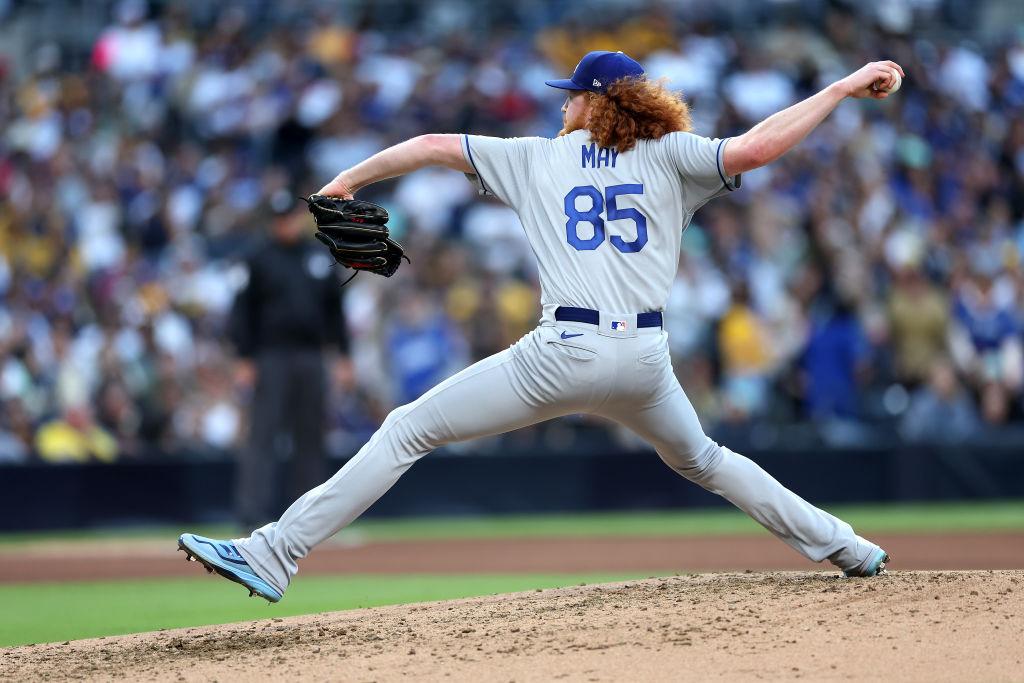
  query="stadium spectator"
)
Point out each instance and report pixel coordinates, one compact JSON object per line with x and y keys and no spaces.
{"x":745,"y":349}
{"x":13,"y":441}
{"x":423,"y":347}
{"x":919,"y":319}
{"x":75,"y":437}
{"x":940,"y":412}
{"x":836,"y":357}
{"x":987,"y":346}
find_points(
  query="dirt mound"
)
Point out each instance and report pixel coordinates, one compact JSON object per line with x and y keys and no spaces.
{"x":924,"y":626}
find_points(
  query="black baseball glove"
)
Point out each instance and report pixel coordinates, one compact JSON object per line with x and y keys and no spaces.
{"x":356,"y":233}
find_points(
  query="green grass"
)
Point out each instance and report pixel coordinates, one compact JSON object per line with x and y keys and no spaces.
{"x":903,"y":518}
{"x":47,"y":612}
{"x":43,"y":612}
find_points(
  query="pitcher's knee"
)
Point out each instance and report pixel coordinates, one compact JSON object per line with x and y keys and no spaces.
{"x":412,"y":430}
{"x":694,"y":462}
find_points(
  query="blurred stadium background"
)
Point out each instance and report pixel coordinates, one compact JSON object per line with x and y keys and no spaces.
{"x":852,"y":318}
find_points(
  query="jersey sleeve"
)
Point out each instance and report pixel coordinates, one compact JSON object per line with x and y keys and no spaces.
{"x":700,"y":163}
{"x":502,"y":166}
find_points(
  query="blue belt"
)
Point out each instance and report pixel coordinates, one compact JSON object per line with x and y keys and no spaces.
{"x":585,"y":315}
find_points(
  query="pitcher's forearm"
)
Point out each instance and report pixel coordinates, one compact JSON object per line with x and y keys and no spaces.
{"x":784,"y":130}
{"x":405,"y":157}
{"x":780,"y":132}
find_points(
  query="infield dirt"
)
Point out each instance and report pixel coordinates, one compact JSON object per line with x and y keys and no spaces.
{"x":653,"y":555}
{"x":913,"y":626}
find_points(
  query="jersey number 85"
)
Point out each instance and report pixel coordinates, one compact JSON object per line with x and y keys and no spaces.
{"x":593,"y":216}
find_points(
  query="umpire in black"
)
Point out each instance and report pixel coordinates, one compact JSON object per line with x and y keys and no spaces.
{"x":282,"y":322}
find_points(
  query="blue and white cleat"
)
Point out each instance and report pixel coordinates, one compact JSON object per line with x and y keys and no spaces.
{"x":875,"y":566}
{"x":223,"y":557}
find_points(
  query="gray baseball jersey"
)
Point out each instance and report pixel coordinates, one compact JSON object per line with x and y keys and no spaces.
{"x":605,"y":226}
{"x":606,"y":230}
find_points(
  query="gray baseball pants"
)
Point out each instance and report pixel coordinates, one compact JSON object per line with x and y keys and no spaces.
{"x":557,"y":369}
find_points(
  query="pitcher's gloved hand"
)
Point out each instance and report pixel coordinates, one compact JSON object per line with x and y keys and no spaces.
{"x":356,"y":233}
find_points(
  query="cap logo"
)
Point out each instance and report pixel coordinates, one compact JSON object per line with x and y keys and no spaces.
{"x":597,"y":83}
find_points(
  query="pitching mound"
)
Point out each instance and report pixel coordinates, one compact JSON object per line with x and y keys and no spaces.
{"x":925,"y":626}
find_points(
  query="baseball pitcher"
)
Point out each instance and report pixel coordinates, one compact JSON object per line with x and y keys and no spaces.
{"x":603,"y":205}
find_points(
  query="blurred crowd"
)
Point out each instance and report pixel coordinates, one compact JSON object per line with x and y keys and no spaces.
{"x":870,"y":282}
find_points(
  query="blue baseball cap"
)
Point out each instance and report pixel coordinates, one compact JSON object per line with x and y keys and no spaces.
{"x":599,"y":69}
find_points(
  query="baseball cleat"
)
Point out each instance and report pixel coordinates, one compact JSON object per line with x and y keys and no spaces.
{"x":875,"y":566}
{"x":222,"y":557}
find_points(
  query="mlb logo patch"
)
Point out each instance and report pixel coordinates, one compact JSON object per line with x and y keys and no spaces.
{"x":619,"y":325}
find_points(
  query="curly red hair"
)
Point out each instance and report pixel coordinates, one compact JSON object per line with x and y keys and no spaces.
{"x":634,"y":109}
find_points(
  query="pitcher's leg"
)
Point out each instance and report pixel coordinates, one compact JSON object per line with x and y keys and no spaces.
{"x":479,"y":401}
{"x":671,"y":425}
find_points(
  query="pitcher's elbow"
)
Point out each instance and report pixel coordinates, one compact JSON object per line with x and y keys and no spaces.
{"x":747,"y":153}
{"x":445,"y":149}
{"x":759,"y":153}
